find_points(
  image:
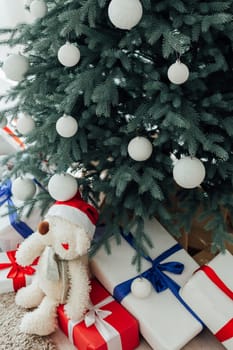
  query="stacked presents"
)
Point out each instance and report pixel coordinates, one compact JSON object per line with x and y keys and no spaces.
{"x":12,"y":229}
{"x":168,"y":303}
{"x":181,"y":298}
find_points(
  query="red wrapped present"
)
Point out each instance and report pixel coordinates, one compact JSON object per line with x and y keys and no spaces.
{"x":12,"y":275}
{"x":106,"y":326}
{"x":210,"y":294}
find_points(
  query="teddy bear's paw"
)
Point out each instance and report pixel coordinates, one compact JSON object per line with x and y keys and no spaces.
{"x":29,"y":296}
{"x":73,"y":313}
{"x":36,"y":323}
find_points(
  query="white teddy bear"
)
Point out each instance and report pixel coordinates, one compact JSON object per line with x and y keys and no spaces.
{"x":62,"y":275}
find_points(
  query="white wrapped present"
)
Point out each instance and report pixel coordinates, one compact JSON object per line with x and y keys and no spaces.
{"x":12,"y":275}
{"x":9,"y":142}
{"x":210,"y":294}
{"x":12,"y":230}
{"x":165,"y":320}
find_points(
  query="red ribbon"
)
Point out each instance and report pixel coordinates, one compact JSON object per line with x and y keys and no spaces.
{"x":10,"y":132}
{"x":17,"y":272}
{"x":226,"y":332}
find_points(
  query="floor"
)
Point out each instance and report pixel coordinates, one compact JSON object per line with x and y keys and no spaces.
{"x":204,"y":341}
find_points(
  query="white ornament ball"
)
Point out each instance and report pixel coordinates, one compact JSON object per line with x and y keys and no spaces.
{"x":15,"y":66}
{"x":66,"y":126}
{"x":23,"y":188}
{"x":140,"y":148}
{"x":68,"y":55}
{"x":125,"y":14}
{"x":141,"y":287}
{"x":3,"y":122}
{"x":25,"y":124}
{"x":38,"y":9}
{"x":62,"y":187}
{"x":178,"y":73}
{"x":189,"y":172}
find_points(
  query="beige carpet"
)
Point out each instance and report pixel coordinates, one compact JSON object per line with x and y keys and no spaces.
{"x":10,"y":336}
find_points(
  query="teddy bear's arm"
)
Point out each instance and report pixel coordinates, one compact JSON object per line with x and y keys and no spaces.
{"x":29,"y":249}
{"x":78,"y":298}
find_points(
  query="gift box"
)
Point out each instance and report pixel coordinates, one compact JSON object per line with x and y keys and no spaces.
{"x":12,"y":275}
{"x":210,"y":294}
{"x":12,"y":230}
{"x":9,"y":142}
{"x":166,"y":322}
{"x":105,"y":326}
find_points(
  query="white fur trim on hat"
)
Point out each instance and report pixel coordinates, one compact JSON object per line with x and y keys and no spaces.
{"x":73,"y":215}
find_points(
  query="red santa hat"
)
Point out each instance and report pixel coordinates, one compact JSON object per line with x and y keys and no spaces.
{"x":77,"y":211}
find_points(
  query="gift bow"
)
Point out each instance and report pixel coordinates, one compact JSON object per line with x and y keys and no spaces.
{"x":226,"y":332}
{"x":96,"y":313}
{"x":17,"y":272}
{"x":156,"y":275}
{"x":5,"y":196}
{"x":95,"y":316}
{"x":159,"y":280}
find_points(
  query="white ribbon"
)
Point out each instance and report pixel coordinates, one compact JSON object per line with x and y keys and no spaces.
{"x":95,"y":316}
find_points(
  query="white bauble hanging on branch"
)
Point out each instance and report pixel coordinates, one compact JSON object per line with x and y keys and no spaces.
{"x":62,"y":187}
{"x":68,"y":55}
{"x":125,"y":14}
{"x":23,"y":188}
{"x":66,"y":126}
{"x":189,"y":172}
{"x":25,"y":124}
{"x":141,"y":287}
{"x":3,"y":122}
{"x":140,"y":148}
{"x":15,"y":67}
{"x":38,"y":9}
{"x":178,"y":73}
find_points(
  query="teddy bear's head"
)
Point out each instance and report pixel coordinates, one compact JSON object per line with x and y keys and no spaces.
{"x":69,"y":227}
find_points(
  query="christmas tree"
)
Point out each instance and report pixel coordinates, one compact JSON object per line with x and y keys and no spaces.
{"x":134,"y":99}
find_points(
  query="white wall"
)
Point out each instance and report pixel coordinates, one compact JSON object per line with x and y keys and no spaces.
{"x":12,"y":12}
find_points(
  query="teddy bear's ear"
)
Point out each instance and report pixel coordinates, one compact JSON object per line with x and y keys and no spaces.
{"x":43,"y":227}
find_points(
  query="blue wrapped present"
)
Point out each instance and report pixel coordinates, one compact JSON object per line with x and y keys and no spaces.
{"x":12,"y":230}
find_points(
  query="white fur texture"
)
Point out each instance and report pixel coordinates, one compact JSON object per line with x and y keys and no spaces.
{"x":46,"y":294}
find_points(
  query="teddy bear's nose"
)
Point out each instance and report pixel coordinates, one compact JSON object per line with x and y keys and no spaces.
{"x":43,"y":227}
{"x":65,"y":246}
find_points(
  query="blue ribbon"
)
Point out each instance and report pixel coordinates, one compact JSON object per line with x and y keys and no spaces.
{"x":159,"y":280}
{"x":39,"y":184}
{"x":5,"y":196}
